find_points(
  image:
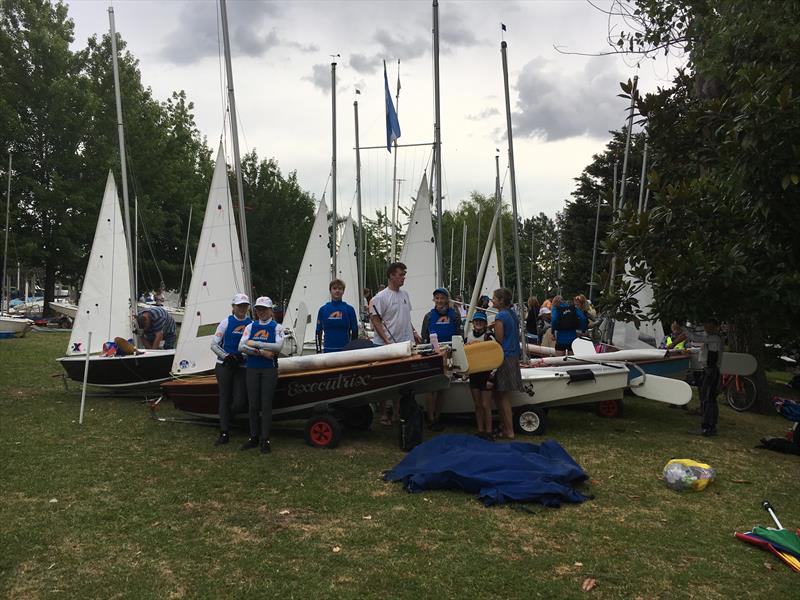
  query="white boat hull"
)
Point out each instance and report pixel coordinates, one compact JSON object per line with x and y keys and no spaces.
{"x":14,"y":326}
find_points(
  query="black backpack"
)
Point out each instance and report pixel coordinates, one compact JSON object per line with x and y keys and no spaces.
{"x":411,"y":422}
{"x":568,"y":318}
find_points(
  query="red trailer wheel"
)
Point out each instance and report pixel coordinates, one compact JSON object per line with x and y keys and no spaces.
{"x":609,"y":409}
{"x":323,"y":431}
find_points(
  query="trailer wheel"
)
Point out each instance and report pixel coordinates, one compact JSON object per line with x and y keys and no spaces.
{"x":609,"y":409}
{"x":359,"y":417}
{"x":323,"y":431}
{"x":530,"y":420}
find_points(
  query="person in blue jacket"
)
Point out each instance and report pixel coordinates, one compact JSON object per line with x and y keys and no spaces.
{"x":261,"y":341}
{"x":508,"y":378}
{"x":337,"y":323}
{"x":566,"y":320}
{"x":444,"y":321}
{"x":229,"y":369}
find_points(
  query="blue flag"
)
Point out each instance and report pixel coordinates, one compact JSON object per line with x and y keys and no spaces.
{"x":392,"y":123}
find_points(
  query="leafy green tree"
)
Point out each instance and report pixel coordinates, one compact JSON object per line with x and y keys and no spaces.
{"x":43,"y":101}
{"x":726,"y":177}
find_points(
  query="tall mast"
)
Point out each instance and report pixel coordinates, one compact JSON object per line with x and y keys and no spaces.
{"x":395,"y":190}
{"x":452,"y":242}
{"x":503,"y":52}
{"x":463,"y":257}
{"x":594,"y":245}
{"x":627,"y":144}
{"x":123,"y":165}
{"x":4,"y":284}
{"x":437,"y":140}
{"x":236,"y":158}
{"x":359,"y":261}
{"x":500,"y":223}
{"x":333,"y":168}
{"x":644,"y":173}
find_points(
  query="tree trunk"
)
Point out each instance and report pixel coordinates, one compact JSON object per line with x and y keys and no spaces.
{"x":745,"y":335}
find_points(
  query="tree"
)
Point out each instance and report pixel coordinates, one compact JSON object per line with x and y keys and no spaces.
{"x":726,"y":179}
{"x":43,"y":101}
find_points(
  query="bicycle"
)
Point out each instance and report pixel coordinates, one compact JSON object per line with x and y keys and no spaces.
{"x":740,"y":391}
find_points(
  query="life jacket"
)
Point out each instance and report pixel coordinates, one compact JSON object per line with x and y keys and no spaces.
{"x":568,"y":318}
{"x":445,"y":326}
{"x":680,"y":346}
{"x":262,"y":333}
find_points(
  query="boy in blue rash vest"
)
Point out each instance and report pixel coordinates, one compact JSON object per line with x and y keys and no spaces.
{"x":262,"y":340}
{"x":507,"y":377}
{"x":566,"y":320}
{"x":230,"y":369}
{"x":337,"y":323}
{"x":479,"y":382}
{"x":445,"y":322}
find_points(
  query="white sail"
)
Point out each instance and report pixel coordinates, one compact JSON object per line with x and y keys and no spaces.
{"x":313,"y":277}
{"x":347,"y":266}
{"x":650,"y":332}
{"x":216,"y":278}
{"x":491,"y":281}
{"x":419,"y":256}
{"x":104,"y":306}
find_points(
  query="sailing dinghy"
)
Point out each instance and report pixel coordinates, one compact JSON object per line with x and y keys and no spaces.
{"x":217,"y":276}
{"x":104,"y":309}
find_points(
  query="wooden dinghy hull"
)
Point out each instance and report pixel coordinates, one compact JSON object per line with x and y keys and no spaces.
{"x":299,"y":394}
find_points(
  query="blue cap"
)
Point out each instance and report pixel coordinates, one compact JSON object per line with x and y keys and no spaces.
{"x":441,"y":291}
{"x":479,"y":316}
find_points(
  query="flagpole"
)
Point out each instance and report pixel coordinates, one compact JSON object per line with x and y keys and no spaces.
{"x":395,"y":191}
{"x":503,"y":49}
{"x":358,"y":208}
{"x":333,"y":169}
{"x":437,"y":131}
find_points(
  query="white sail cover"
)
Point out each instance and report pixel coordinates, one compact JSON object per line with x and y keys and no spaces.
{"x":491,"y":280}
{"x":104,"y":306}
{"x":218,"y":275}
{"x":332,"y":360}
{"x":419,"y":256}
{"x":313,"y":277}
{"x":347,"y":265}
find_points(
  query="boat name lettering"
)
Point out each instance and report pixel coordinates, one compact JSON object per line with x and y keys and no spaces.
{"x":332,"y":384}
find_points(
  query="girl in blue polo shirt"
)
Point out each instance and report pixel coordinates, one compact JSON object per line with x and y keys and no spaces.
{"x":261,"y":341}
{"x":508,"y":377}
{"x":230,"y":363}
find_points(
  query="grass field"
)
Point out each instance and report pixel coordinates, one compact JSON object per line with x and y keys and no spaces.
{"x":127,"y":507}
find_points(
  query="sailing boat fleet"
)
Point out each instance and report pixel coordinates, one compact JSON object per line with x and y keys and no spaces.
{"x":312,"y":386}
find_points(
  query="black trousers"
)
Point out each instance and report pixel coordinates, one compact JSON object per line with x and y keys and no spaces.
{"x":709,"y":409}
{"x":232,"y":393}
{"x":261,"y":385}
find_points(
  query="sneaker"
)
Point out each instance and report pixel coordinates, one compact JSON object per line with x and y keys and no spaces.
{"x":436,"y":425}
{"x":265,"y":447}
{"x":250,"y":444}
{"x":222,"y":439}
{"x":711,"y":432}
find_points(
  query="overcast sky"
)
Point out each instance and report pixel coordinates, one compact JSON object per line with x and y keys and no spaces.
{"x":563,"y":105}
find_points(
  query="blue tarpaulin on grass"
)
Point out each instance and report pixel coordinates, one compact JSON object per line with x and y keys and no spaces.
{"x":498,"y":473}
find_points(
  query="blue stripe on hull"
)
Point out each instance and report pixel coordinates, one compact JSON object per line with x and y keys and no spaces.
{"x":674,"y":368}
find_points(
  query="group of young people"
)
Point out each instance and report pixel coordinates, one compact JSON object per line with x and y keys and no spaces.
{"x":247,"y":352}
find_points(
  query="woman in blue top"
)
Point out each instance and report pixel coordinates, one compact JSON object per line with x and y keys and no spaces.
{"x":508,"y":378}
{"x":261,"y":341}
{"x":337,"y":323}
{"x":444,"y":321}
{"x":230,"y":363}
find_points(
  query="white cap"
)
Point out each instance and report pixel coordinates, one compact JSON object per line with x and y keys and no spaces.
{"x":240,"y":299}
{"x":264,"y":301}
{"x":544,"y":311}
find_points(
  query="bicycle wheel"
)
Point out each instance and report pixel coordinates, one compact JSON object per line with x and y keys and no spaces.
{"x":740,"y":393}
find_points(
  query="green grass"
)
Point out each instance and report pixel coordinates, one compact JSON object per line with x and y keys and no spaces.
{"x":124,"y":506}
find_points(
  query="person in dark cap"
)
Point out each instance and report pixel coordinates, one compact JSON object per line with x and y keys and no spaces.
{"x":479,"y":383}
{"x":444,"y":322}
